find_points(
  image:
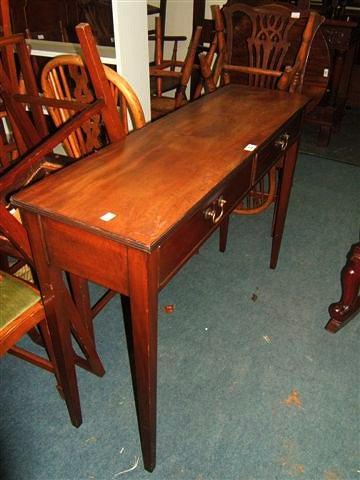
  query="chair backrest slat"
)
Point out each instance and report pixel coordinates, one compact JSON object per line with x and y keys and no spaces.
{"x":111,"y":119}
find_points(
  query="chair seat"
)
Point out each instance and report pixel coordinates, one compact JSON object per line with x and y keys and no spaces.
{"x":161,"y":106}
{"x":167,"y":84}
{"x":16,"y":297}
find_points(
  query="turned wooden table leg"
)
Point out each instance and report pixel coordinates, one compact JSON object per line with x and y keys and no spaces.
{"x":349,"y":304}
{"x":282,"y":201}
{"x":143,"y":289}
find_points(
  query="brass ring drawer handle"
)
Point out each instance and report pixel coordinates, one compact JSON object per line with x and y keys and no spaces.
{"x":210,"y":213}
{"x":283,"y":141}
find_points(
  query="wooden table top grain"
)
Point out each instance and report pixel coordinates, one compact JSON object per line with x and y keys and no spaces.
{"x":156,"y":176}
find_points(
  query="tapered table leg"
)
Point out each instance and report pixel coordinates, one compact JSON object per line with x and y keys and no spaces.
{"x":349,"y":304}
{"x":283,"y":201}
{"x":56,"y":311}
{"x":143,"y":289}
{"x":224,"y":228}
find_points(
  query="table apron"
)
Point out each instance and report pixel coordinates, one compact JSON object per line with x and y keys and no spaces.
{"x":88,"y":255}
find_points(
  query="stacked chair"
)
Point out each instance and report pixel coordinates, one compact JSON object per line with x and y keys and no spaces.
{"x":82,"y":124}
{"x":171,"y":74}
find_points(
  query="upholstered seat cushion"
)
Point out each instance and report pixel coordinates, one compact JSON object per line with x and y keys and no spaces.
{"x":16,"y":297}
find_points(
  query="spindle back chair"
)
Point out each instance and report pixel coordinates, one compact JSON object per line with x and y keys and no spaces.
{"x":161,"y":42}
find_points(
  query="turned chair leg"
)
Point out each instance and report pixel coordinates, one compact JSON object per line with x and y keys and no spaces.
{"x":349,"y":304}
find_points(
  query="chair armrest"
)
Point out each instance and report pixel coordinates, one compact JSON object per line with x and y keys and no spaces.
{"x":165,"y":73}
{"x":174,"y":38}
{"x":166,"y":64}
{"x":170,"y":38}
{"x":255,"y":71}
{"x":289,"y":77}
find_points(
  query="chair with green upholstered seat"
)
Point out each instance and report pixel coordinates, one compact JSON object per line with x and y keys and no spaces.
{"x":21,"y":310}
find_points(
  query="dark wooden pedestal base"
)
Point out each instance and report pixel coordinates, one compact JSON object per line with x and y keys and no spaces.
{"x":349,"y":304}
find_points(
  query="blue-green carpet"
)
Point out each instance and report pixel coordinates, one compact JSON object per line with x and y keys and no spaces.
{"x":250,"y":385}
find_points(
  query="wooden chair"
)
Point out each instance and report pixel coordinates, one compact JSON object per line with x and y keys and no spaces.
{"x":264,"y":30}
{"x":168,"y":83}
{"x":32,"y":131}
{"x":167,"y":69}
{"x":65,"y":78}
{"x":14,"y":244}
{"x":36,"y":145}
{"x":21,"y":311}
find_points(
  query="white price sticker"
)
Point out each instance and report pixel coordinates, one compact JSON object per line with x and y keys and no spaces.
{"x":108,"y":216}
{"x":326,"y":72}
{"x":295,"y":14}
{"x":250,"y":147}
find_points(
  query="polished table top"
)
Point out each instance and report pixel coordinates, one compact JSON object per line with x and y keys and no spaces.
{"x":157,"y":176}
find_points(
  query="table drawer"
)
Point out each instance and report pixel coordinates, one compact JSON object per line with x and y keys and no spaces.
{"x":190,"y":235}
{"x":271,"y":153}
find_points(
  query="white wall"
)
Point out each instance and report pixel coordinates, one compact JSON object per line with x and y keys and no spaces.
{"x":179,"y":15}
{"x":131,"y":44}
{"x":179,"y":19}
